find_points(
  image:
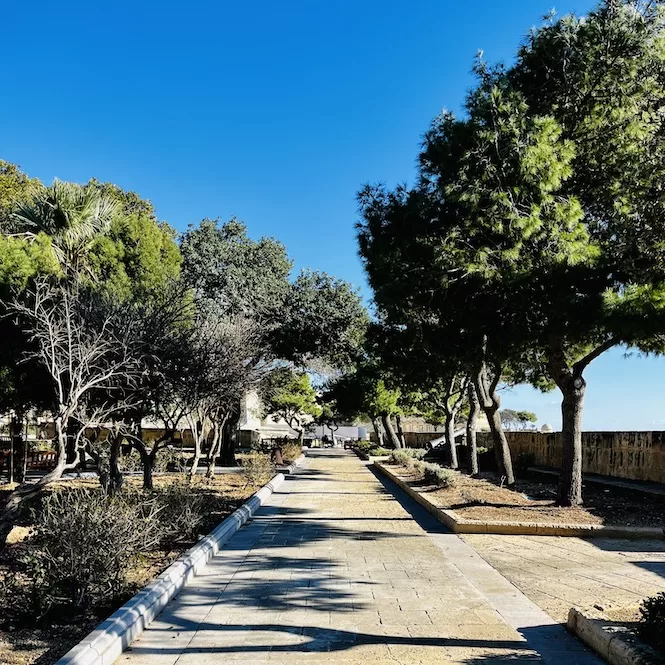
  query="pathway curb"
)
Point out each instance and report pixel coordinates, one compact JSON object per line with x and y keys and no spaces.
{"x":107,"y":642}
{"x":460,"y":525}
{"x":608,"y":645}
{"x":293,"y":466}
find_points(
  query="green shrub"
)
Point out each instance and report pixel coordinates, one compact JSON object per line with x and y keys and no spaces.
{"x":379,"y":452}
{"x":257,"y":469}
{"x":652,"y":621}
{"x":406,"y":456}
{"x":365,"y":446}
{"x":433,"y":474}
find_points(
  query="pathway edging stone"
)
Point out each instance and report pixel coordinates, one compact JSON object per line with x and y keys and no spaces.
{"x":105,"y":644}
{"x":609,"y":646}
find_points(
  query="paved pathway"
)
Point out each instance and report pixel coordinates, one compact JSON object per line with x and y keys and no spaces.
{"x":557,"y":573}
{"x":334,"y":569}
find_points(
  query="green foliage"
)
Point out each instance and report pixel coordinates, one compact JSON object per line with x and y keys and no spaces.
{"x":406,"y":456}
{"x":22,"y":259}
{"x":289,"y":394}
{"x":517,"y":419}
{"x":652,"y":621}
{"x":323,"y":319}
{"x":315,"y":318}
{"x":73,"y":217}
{"x":433,"y":474}
{"x":241,"y":275}
{"x":16,"y":188}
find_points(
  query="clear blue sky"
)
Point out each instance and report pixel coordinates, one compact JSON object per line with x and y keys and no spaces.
{"x":275,"y":112}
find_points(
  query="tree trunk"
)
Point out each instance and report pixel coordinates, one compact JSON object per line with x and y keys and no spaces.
{"x":400,"y":431}
{"x":394,"y":442}
{"x":377,"y":432}
{"x":570,"y":480}
{"x":148,"y":466}
{"x":214,"y":450}
{"x":490,"y":404}
{"x":227,"y":453}
{"x":450,"y":439}
{"x":471,"y":425}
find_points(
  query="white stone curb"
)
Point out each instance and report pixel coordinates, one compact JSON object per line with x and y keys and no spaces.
{"x":105,"y":644}
{"x":606,"y":644}
{"x":294,"y":465}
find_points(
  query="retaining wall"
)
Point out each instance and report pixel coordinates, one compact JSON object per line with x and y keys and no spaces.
{"x":631,"y":455}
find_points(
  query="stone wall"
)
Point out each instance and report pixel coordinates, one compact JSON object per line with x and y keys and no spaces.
{"x":632,"y":455}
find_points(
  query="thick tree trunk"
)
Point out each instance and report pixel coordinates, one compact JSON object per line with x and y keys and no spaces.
{"x":490,"y":404}
{"x":227,"y":455}
{"x":570,"y":480}
{"x":471,"y":426}
{"x":377,"y":431}
{"x":400,"y":431}
{"x":450,"y":439}
{"x":394,"y":441}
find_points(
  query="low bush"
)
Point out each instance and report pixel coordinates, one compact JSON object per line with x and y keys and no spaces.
{"x":291,"y":451}
{"x":652,"y":621}
{"x":180,"y":511}
{"x":433,"y":474}
{"x":84,"y":545}
{"x":365,"y":446}
{"x":406,"y":456}
{"x":379,"y":452}
{"x":257,"y":469}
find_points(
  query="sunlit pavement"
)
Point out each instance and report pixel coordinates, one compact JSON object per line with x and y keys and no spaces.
{"x":340,"y":568}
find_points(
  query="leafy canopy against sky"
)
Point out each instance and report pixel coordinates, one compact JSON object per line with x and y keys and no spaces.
{"x":275,"y":113}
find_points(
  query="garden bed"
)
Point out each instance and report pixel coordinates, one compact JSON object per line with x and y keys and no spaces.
{"x":24,"y":641}
{"x":482,"y":499}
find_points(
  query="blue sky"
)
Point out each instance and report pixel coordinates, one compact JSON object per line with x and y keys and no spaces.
{"x":274,"y":112}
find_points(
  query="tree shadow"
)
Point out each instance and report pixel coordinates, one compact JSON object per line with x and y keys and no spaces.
{"x":215,"y":638}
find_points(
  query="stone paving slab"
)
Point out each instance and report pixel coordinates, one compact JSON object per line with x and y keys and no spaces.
{"x":559,"y":573}
{"x":334,"y":568}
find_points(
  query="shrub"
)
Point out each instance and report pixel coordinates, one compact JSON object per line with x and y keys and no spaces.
{"x":257,"y":469}
{"x":406,"y":456}
{"x":379,"y":452}
{"x":84,"y":545}
{"x":652,"y":621}
{"x":433,"y":474}
{"x":180,"y":510}
{"x":364,"y":446}
{"x":291,"y":451}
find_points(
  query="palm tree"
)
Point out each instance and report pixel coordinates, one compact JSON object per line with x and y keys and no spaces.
{"x":72,"y":215}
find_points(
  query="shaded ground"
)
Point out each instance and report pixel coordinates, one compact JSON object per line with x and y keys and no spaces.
{"x":43,"y":644}
{"x":335,"y":568}
{"x":483,"y":499}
